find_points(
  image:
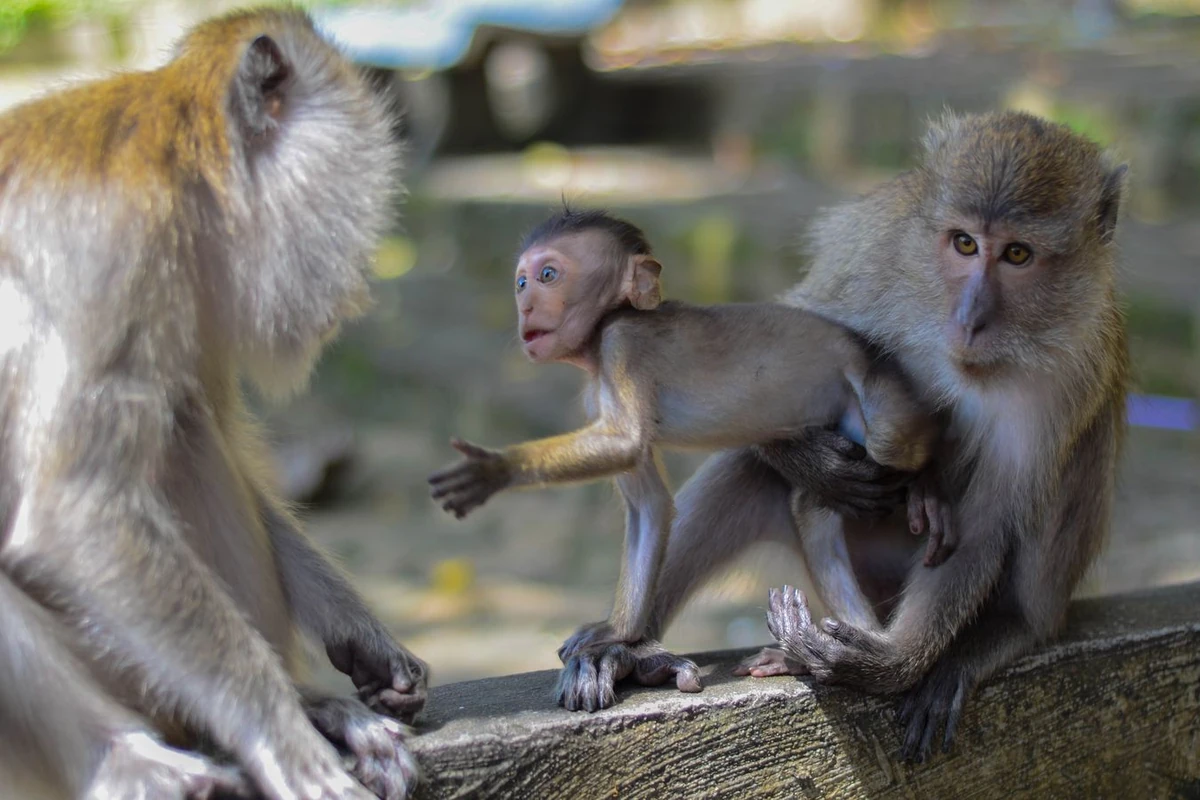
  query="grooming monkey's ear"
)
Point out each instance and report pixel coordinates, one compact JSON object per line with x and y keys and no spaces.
{"x":645,"y":292}
{"x":1110,"y":202}
{"x":258,"y":88}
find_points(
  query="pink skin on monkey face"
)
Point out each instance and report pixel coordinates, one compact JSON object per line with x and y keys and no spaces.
{"x":558,"y":305}
{"x":981,"y":267}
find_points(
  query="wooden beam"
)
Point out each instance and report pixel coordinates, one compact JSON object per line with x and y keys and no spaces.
{"x":1112,"y":709}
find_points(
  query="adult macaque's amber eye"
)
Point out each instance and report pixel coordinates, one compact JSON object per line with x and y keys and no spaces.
{"x":1017,"y":254}
{"x":965,"y":245}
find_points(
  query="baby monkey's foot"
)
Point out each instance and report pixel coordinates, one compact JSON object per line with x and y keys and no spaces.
{"x":589,"y":635}
{"x":768,"y":663}
{"x":589,"y":676}
{"x":929,"y":512}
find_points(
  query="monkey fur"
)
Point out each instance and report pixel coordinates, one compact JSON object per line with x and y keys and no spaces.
{"x":162,"y":235}
{"x":668,"y":374}
{"x":987,"y":272}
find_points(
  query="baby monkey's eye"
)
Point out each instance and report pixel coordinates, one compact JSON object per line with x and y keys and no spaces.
{"x":521,"y":281}
{"x":547,"y":274}
{"x":1017,"y":254}
{"x":965,"y":245}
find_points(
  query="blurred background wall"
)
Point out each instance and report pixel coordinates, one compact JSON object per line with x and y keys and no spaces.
{"x":719,"y":126}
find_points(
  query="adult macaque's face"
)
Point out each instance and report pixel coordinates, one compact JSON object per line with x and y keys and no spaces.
{"x":563,"y":288}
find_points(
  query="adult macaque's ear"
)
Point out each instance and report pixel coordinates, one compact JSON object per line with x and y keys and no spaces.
{"x":645,"y":293}
{"x":257,"y":93}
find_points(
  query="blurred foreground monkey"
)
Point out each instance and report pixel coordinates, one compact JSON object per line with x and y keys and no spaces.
{"x":988,"y":273}
{"x":161,"y":234}
{"x":668,"y":374}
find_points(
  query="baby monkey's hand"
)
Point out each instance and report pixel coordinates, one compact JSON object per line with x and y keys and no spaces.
{"x":930,"y":512}
{"x":469,"y":484}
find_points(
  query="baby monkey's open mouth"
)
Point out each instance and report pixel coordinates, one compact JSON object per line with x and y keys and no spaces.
{"x":533,"y":333}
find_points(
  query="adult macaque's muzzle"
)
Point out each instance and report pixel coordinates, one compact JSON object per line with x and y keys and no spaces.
{"x":976,"y":305}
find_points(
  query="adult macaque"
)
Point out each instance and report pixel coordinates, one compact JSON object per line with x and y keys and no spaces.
{"x":163,"y":233}
{"x":667,"y":374}
{"x":987,"y":272}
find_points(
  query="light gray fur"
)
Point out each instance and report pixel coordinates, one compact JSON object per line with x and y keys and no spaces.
{"x":141,"y":525}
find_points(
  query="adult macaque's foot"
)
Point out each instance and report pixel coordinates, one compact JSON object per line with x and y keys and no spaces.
{"x":834,"y":651}
{"x":379,"y":756}
{"x":138,"y":766}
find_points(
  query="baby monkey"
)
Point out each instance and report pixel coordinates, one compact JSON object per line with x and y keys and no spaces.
{"x":675,"y":375}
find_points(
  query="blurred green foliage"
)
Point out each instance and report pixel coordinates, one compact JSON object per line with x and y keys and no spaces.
{"x":18,"y":17}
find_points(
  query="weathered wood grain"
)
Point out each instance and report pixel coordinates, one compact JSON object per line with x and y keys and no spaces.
{"x":1110,"y":710}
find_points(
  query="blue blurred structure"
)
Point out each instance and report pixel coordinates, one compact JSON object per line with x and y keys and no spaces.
{"x":1171,"y":413}
{"x":437,"y":36}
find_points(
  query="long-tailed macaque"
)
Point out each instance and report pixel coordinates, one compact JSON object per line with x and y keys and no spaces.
{"x":668,"y":374}
{"x":987,"y":272}
{"x":162,"y":234}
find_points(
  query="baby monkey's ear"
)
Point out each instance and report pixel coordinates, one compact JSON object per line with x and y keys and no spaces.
{"x":645,"y":293}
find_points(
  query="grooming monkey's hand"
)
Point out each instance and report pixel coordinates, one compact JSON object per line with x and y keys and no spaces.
{"x":389,"y":679}
{"x":837,"y":473}
{"x":138,"y":766}
{"x":379,"y":757}
{"x":589,"y":676}
{"x":834,"y":652}
{"x":929,"y":512}
{"x":469,"y":484}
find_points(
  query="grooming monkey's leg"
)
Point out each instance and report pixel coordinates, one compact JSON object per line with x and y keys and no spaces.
{"x":936,"y":604}
{"x":1031,"y":602}
{"x":55,"y":715}
{"x":821,"y":542}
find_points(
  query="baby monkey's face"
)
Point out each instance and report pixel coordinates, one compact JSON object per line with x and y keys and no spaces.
{"x":563,"y":288}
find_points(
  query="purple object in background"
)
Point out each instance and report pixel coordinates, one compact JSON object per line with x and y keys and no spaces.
{"x":1153,"y":411}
